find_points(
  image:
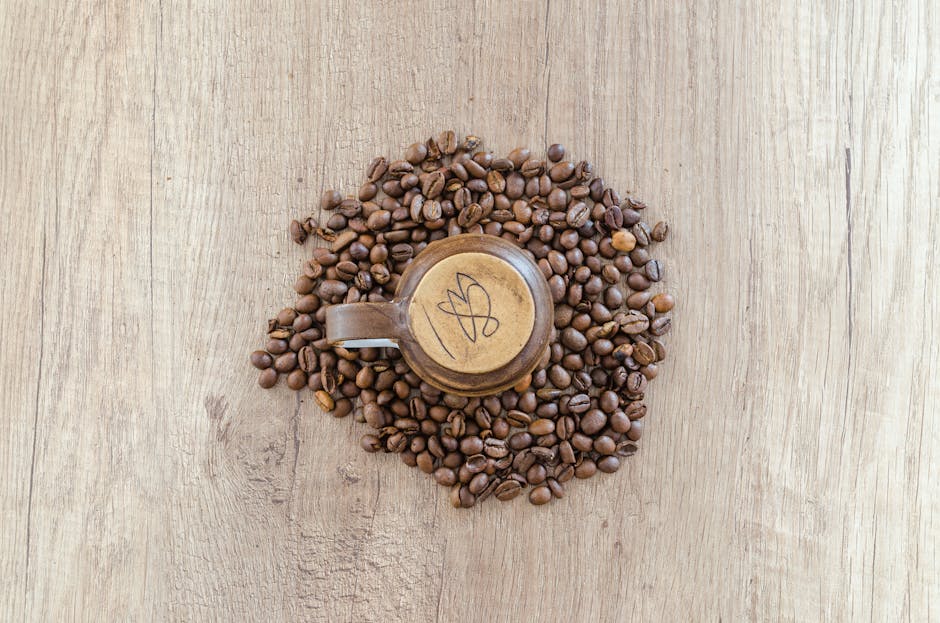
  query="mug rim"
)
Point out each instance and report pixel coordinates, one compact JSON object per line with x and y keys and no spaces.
{"x":527,"y":358}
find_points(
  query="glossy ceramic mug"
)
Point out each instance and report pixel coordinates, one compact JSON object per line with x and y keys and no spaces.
{"x":472,"y":315}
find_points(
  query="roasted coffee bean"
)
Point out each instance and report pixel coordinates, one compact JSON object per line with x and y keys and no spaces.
{"x":573,"y":339}
{"x":536,"y":474}
{"x":367,"y":192}
{"x":584,"y":171}
{"x":558,"y":289}
{"x":635,"y":410}
{"x":433,"y":185}
{"x":556,"y":488}
{"x":471,"y":143}
{"x":501,"y":165}
{"x":578,"y":215}
{"x":659,"y":348}
{"x":268,"y":378}
{"x":557,"y":200}
{"x":613,"y":219}
{"x":517,"y":156}
{"x":636,"y":383}
{"x":639,"y":256}
{"x":593,"y":422}
{"x":425,"y":462}
{"x":520,"y":440}
{"x":638,"y":300}
{"x":431,"y":210}
{"x":346,"y":270}
{"x":399,"y":168}
{"x":542,"y":427}
{"x":482,"y":417}
{"x":660,"y":230}
{"x":475,"y":169}
{"x":557,"y":262}
{"x":476,"y":463}
{"x":641,"y":233}
{"x":507,"y":490}
{"x":401,"y":252}
{"x":416,"y":208}
{"x":605,"y":445}
{"x":416,"y":152}
{"x":344,"y":407}
{"x":515,"y":186}
{"x":261,"y":360}
{"x":580,"y":192}
{"x":643,"y":353}
{"x":630,"y":216}
{"x":585,"y":469}
{"x":297,"y":232}
{"x":660,"y":325}
{"x":564,"y":472}
{"x":540,"y":495}
{"x":522,"y":212}
{"x":638,"y":281}
{"x":608,"y":464}
{"x":307,"y":359}
{"x":582,"y":442}
{"x":636,"y":430}
{"x":518,"y":419}
{"x":349,"y":208}
{"x":623,"y":241}
{"x":470,"y":215}
{"x":478,"y":483}
{"x":376,"y":169}
{"x":370,"y":443}
{"x":586,"y":242}
{"x":555,"y":152}
{"x":532,"y":169}
{"x":495,"y":448}
{"x":597,"y":189}
{"x":495,"y":181}
{"x":325,"y":400}
{"x":579,"y":403}
{"x":561,"y":171}
{"x":663,"y":302}
{"x":380,"y":274}
{"x":330,"y":199}
{"x":501,"y":216}
{"x":471,"y":445}
{"x":331,"y":288}
{"x":634,"y":323}
{"x":619,"y":422}
{"x":559,"y":377}
{"x":286,"y":362}
{"x":610,"y":274}
{"x":608,"y":401}
{"x":445,"y":476}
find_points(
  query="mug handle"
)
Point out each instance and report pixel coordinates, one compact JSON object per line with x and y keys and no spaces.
{"x":366,"y":324}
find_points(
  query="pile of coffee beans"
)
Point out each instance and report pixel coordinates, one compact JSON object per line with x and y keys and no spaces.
{"x":581,"y":410}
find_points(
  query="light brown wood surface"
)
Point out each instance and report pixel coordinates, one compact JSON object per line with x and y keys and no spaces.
{"x":152,"y":155}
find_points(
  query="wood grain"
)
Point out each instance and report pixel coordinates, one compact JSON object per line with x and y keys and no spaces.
{"x":152,"y":156}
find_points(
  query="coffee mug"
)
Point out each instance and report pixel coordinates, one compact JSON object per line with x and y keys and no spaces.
{"x":472,"y":315}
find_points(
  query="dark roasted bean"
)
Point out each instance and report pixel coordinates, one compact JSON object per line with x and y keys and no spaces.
{"x":579,"y":410}
{"x":608,"y":464}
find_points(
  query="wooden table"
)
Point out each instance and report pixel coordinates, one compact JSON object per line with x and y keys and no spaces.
{"x":152,"y":157}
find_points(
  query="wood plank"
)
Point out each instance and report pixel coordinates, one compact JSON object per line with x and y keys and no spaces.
{"x":152,"y":158}
{"x":89,"y":516}
{"x":26,"y":199}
